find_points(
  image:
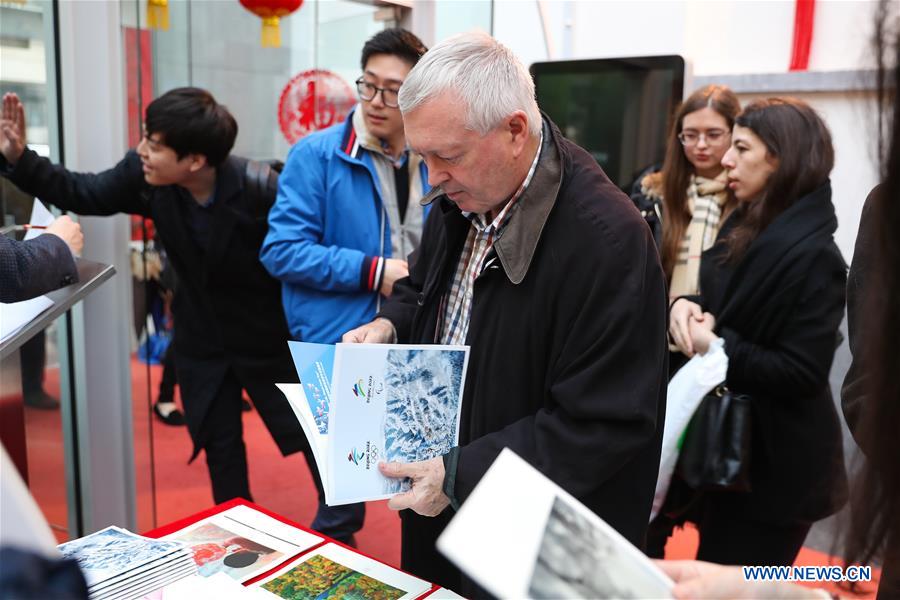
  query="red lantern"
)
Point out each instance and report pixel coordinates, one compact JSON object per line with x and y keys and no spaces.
{"x":270,"y":11}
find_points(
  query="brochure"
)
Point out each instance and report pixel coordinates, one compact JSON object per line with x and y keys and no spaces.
{"x":519,"y":535}
{"x":360,"y":404}
{"x":335,"y":572}
{"x":116,"y":562}
{"x":242,"y":543}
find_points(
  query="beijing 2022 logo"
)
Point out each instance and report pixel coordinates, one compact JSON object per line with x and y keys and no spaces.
{"x":367,"y":390}
{"x":369,"y":456}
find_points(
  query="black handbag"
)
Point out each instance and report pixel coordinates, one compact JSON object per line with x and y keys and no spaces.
{"x":715,"y":450}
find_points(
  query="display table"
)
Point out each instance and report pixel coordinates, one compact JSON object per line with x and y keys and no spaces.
{"x":195,"y":518}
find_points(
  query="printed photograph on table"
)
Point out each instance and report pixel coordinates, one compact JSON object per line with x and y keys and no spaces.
{"x":319,"y":578}
{"x":114,"y":551}
{"x":242,"y":543}
{"x":333,"y":572}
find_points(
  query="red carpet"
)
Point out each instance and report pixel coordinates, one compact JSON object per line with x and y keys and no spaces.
{"x":280,"y":484}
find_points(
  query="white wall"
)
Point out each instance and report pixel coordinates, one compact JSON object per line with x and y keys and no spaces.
{"x":722,"y":37}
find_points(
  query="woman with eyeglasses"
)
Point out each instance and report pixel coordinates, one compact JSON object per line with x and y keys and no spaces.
{"x":687,"y":200}
{"x":772,"y":287}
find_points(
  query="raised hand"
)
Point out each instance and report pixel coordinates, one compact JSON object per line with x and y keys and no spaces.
{"x":12,"y":128}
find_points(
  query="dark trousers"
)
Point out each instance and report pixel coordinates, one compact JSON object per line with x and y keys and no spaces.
{"x":32,"y":359}
{"x":226,"y":455}
{"x":729,"y":538}
{"x":169,"y":379}
{"x":226,"y":459}
{"x":418,"y":554}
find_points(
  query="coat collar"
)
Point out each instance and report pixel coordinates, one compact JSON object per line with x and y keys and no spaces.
{"x":810,"y":218}
{"x":517,"y":245}
{"x":803,"y":229}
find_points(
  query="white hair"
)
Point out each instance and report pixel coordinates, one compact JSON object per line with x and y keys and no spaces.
{"x":483,"y":73}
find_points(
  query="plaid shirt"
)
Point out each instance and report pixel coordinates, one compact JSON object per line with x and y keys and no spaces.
{"x":457,"y":303}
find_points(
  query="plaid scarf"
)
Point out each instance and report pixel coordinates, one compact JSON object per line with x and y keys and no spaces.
{"x":705,"y":198}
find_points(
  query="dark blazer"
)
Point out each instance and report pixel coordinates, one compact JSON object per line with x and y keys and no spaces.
{"x":227,"y":308}
{"x":568,"y":344}
{"x":34,"y":267}
{"x":859,"y":294}
{"x":778,"y":310}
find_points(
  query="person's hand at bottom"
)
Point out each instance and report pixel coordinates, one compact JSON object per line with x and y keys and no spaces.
{"x":695,"y":579}
{"x":426,"y":496}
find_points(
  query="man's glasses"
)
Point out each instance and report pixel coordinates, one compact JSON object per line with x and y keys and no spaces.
{"x":368,"y":90}
{"x":713,"y":137}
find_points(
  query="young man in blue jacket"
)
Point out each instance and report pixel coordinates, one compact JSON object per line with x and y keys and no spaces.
{"x":347,"y":216}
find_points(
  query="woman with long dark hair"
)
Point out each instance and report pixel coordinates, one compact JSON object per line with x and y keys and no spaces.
{"x":687,"y":200}
{"x":772,"y":287}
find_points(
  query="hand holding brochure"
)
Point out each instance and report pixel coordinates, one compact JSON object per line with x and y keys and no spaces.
{"x":519,"y":535}
{"x":361,"y":404}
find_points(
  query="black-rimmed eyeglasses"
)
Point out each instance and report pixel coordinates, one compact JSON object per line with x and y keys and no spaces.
{"x":367,"y":92}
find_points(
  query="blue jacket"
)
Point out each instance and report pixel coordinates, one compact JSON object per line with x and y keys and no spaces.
{"x":324,"y":230}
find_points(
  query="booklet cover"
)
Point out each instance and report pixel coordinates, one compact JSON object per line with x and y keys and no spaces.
{"x":360,"y":404}
{"x":335,"y":572}
{"x":242,"y":543}
{"x":534,"y":540}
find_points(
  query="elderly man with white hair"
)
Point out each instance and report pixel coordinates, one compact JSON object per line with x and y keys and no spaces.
{"x":536,"y":260}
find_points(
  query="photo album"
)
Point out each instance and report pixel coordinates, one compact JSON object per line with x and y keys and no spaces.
{"x":361,"y":404}
{"x":519,"y":535}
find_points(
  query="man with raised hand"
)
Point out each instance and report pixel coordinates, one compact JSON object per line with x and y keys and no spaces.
{"x":211,"y":217}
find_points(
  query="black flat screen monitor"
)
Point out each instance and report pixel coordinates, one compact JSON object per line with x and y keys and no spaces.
{"x":618,"y":109}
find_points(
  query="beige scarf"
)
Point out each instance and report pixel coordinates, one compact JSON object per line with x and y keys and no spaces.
{"x":706,"y":198}
{"x":405,"y":235}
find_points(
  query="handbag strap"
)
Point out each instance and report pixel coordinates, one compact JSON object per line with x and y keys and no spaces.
{"x":725,"y":394}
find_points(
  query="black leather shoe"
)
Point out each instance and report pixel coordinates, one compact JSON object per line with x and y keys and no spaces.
{"x":41,"y":400}
{"x":174,"y":418}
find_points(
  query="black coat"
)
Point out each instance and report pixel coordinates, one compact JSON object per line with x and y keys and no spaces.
{"x":568,"y":344}
{"x":778,"y":310}
{"x":227,"y":308}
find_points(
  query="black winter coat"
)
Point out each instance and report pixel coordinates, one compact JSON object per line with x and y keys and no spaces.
{"x":778,"y":310}
{"x":568,"y":343}
{"x":227,"y":308}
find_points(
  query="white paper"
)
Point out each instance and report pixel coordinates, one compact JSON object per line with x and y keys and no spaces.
{"x":257,"y":536}
{"x":16,"y":315}
{"x":360,"y":404}
{"x":444,"y":594}
{"x":196,"y":587}
{"x":519,"y":535}
{"x":22,"y":524}
{"x":353,"y":575}
{"x":39,"y":216}
{"x":686,"y":390}
{"x":318,"y":441}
